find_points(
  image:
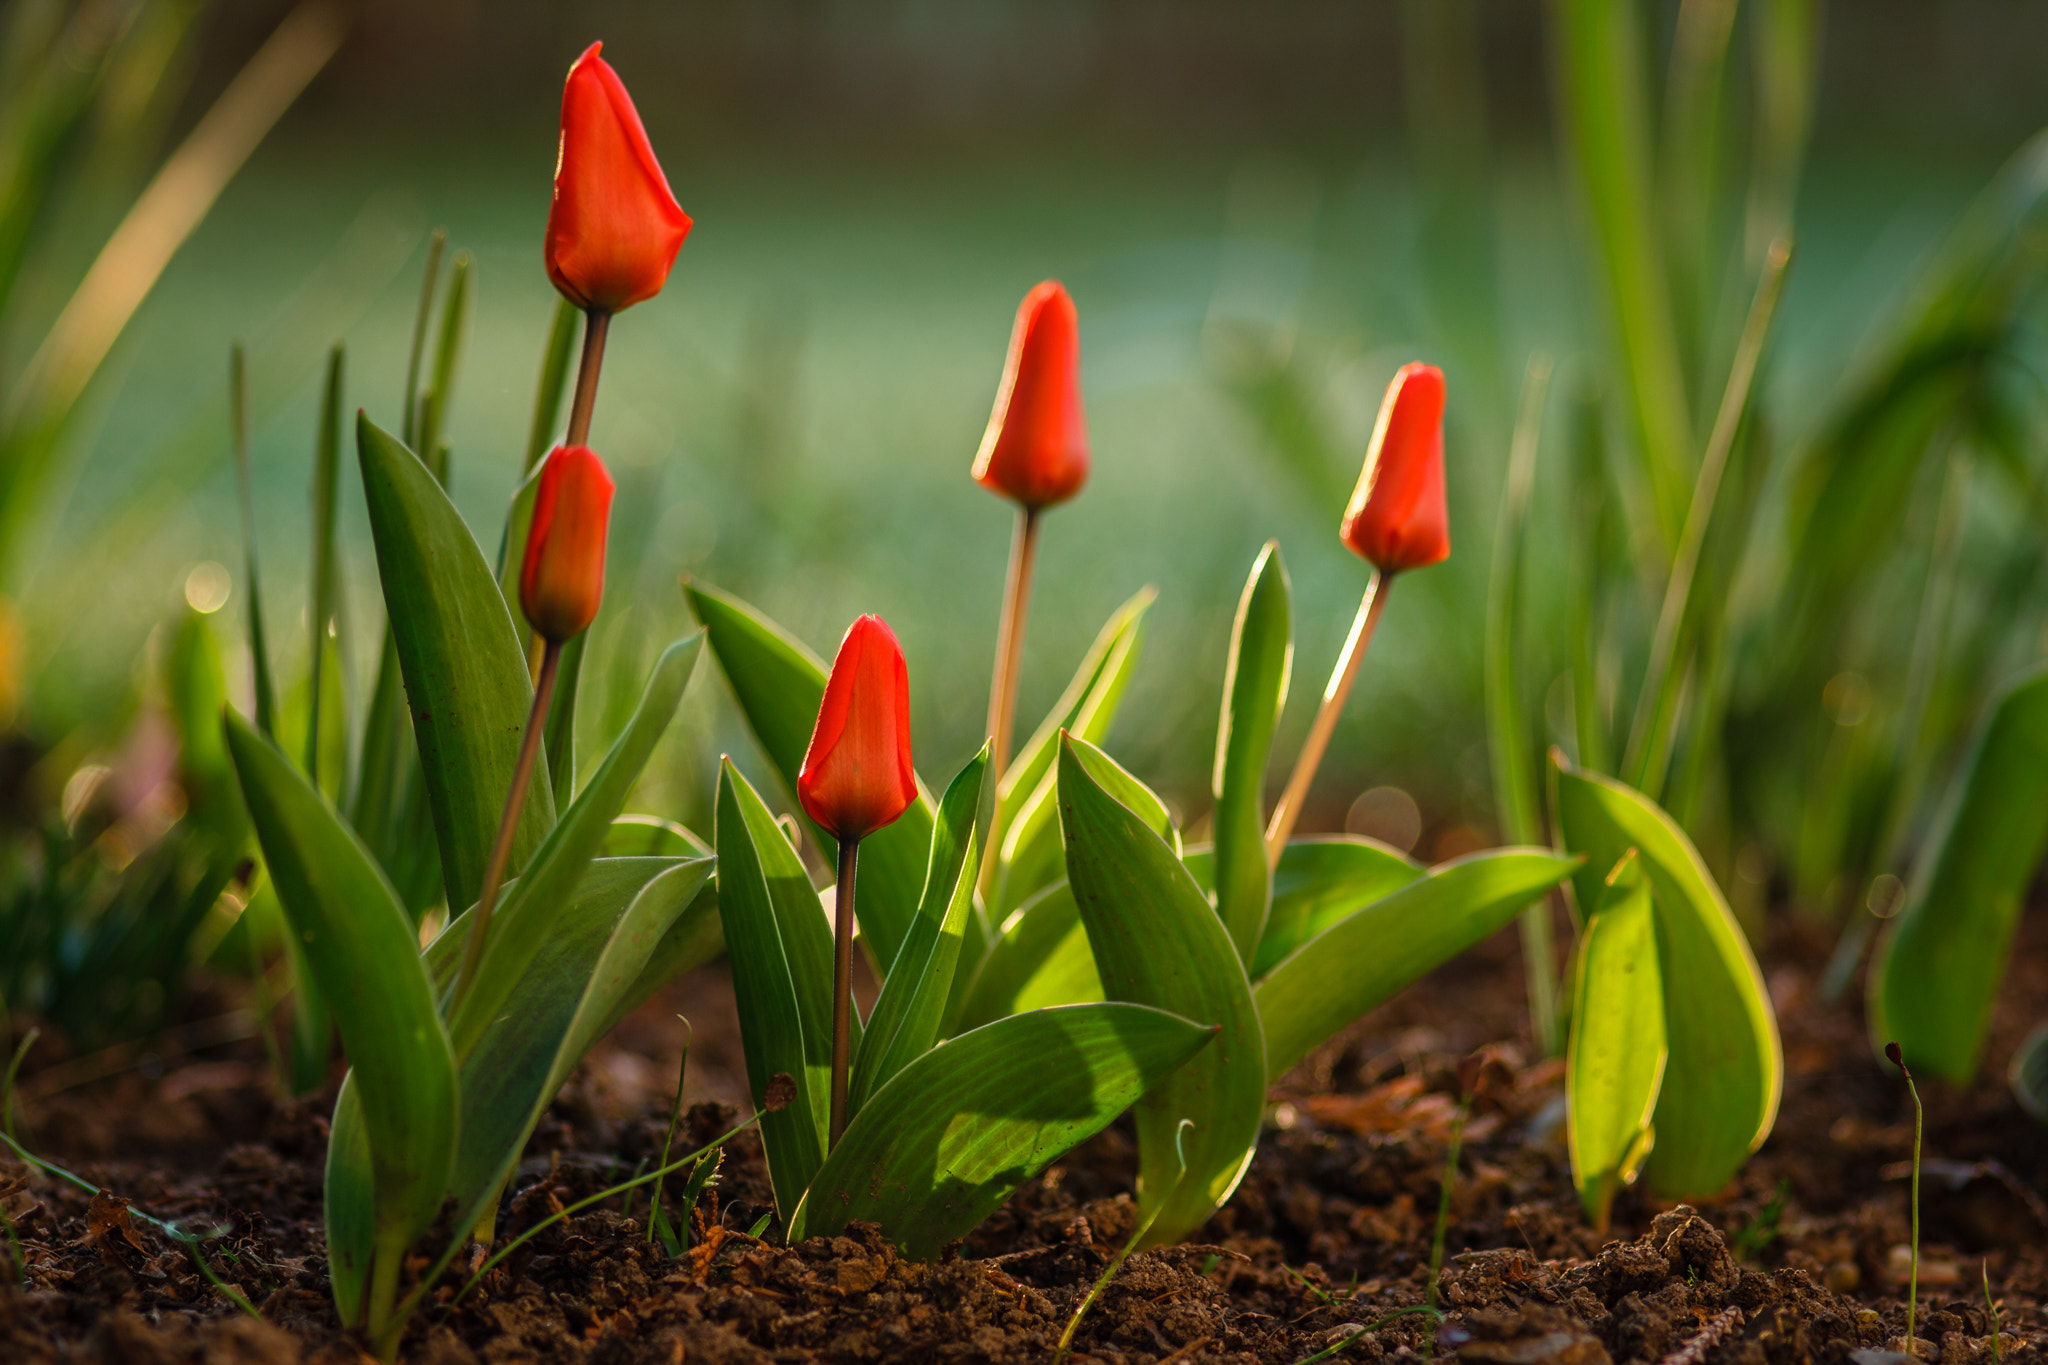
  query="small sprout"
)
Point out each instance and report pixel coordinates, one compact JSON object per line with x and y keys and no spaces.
{"x":1898,"y":1059}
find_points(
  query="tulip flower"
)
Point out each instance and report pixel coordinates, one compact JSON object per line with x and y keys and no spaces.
{"x":1396,"y":520}
{"x":856,"y":778}
{"x":1035,"y":452}
{"x":561,"y":585}
{"x":561,"y":581}
{"x":613,"y":226}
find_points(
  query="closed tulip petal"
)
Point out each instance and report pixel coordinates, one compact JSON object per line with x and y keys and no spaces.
{"x":613,"y":228}
{"x":561,"y":580}
{"x":1035,"y":450}
{"x":857,"y":774}
{"x":1397,"y":518}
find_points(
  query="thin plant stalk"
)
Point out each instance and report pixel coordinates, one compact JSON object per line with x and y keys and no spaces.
{"x":8,"y":1081}
{"x":326,"y":499}
{"x":1649,"y":744}
{"x":1345,"y":1343}
{"x":1898,"y":1059}
{"x":508,"y":825}
{"x":842,"y":986}
{"x":1002,"y":693}
{"x":675,"y":1115}
{"x":259,"y":650}
{"x":435,"y":245}
{"x":1990,"y":1312}
{"x":1341,"y":678}
{"x":1443,"y":1203}
{"x":597,"y":324}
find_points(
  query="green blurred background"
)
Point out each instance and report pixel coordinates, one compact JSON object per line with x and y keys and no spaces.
{"x":1261,"y":211}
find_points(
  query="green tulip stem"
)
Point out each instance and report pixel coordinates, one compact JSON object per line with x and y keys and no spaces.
{"x":515,"y":799}
{"x":1002,"y":695}
{"x":1341,"y":678}
{"x":842,"y":986}
{"x":596,"y":324}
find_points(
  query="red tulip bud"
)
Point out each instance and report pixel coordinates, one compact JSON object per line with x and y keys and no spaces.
{"x":614,"y":228}
{"x":856,"y":776}
{"x":1397,"y":518}
{"x":561,"y":581}
{"x":1036,"y":448}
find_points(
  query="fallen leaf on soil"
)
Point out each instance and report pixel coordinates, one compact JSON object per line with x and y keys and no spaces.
{"x":109,"y":1217}
{"x":1396,"y":1106}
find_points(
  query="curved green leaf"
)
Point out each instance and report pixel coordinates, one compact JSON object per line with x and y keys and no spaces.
{"x":905,"y":1021}
{"x":465,"y":674}
{"x":1157,"y":942}
{"x":1938,"y":969}
{"x":1321,"y":879}
{"x":1615,"y":1060}
{"x":650,"y":836}
{"x":360,"y":947}
{"x":1254,"y":691}
{"x":781,"y":954}
{"x":349,"y":1202}
{"x":1365,"y":957}
{"x":948,"y":1138}
{"x":1720,"y":1092}
{"x":1042,"y":958}
{"x":779,"y":685}
{"x":527,"y":919}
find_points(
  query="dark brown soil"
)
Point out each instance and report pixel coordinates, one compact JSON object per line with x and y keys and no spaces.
{"x":1801,"y":1259}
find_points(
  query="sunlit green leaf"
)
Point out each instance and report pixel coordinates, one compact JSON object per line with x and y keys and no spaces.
{"x":1041,"y":958}
{"x":636,"y":836}
{"x":947,"y":1139}
{"x":1720,"y":1092}
{"x":1157,"y":941}
{"x":1615,"y":1061}
{"x":1254,"y":691}
{"x":1937,"y":974}
{"x":1321,"y":879}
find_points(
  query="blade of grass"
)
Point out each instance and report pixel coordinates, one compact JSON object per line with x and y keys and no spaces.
{"x":435,"y":402}
{"x":259,"y":651}
{"x":326,"y":507}
{"x":409,"y":428}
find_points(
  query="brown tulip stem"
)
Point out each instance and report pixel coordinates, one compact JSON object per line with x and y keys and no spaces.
{"x":1341,"y":678}
{"x":1002,"y":697}
{"x":508,"y":825}
{"x":842,"y":986}
{"x":596,"y":323}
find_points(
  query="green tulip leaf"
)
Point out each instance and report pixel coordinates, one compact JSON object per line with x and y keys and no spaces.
{"x":948,"y":1138}
{"x":1937,"y":974}
{"x":526,"y":921}
{"x":650,"y":836}
{"x":1254,"y":691}
{"x":1364,"y":958}
{"x":360,"y":946}
{"x":779,"y":685}
{"x":780,"y":951}
{"x":1614,"y":1063}
{"x":1041,"y":958}
{"x":1720,"y":1092}
{"x":465,"y":674}
{"x":905,"y":1021}
{"x":1321,"y":879}
{"x":1157,"y":942}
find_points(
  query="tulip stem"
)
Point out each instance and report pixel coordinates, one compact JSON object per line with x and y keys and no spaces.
{"x":508,"y":825}
{"x":1353,"y":654}
{"x":842,"y":986}
{"x":1002,"y":697}
{"x":596,"y":323}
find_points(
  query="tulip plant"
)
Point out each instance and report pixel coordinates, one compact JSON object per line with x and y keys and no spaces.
{"x":1090,"y":892}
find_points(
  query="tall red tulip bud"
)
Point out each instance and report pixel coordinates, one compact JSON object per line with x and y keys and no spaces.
{"x":613,"y":228}
{"x":561,"y":581}
{"x":857,"y":776}
{"x":1397,"y":519}
{"x":1035,"y":451}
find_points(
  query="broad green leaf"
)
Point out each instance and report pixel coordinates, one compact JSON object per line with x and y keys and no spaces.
{"x":650,"y":836}
{"x":1321,"y":879}
{"x":1937,"y":972}
{"x":560,"y":734}
{"x":1126,"y":790}
{"x":1041,"y":958}
{"x":1720,"y":1092}
{"x":1095,"y":689}
{"x":905,"y":1021}
{"x":465,"y":675}
{"x":1031,"y":856}
{"x":782,"y":980}
{"x":349,"y":1202}
{"x":388,"y":786}
{"x":1615,"y":1061}
{"x":1254,"y":691}
{"x":1157,"y":942}
{"x":527,"y":919}
{"x":360,"y":947}
{"x":950,"y":1136}
{"x":779,"y":685}
{"x":1365,"y":957}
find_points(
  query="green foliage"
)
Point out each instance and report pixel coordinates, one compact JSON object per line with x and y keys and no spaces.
{"x":1615,"y":1063}
{"x":1254,"y":691}
{"x":1936,"y":976}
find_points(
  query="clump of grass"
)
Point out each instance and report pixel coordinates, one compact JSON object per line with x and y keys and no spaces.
{"x":1898,"y":1059}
